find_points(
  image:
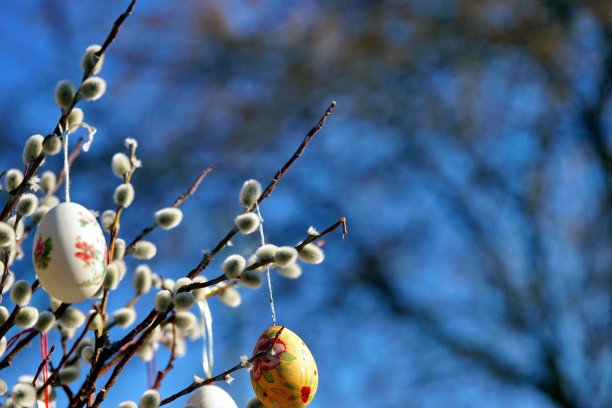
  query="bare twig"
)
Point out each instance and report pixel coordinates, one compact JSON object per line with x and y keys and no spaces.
{"x":198,"y":382}
{"x":192,"y":189}
{"x":41,"y":365}
{"x":162,"y":374}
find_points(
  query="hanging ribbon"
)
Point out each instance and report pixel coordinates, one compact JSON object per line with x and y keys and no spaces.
{"x":44,"y":351}
{"x":207,"y":337}
{"x":263,"y":242}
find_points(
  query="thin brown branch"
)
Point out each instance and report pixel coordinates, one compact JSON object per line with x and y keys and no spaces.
{"x":177,"y":203}
{"x":280,"y":173}
{"x":162,"y":374}
{"x":66,"y":356}
{"x":41,"y":365}
{"x":116,"y":27}
{"x":198,"y":382}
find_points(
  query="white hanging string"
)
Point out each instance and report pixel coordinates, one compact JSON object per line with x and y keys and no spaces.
{"x":207,"y":337}
{"x":66,"y":168}
{"x":263,"y":242}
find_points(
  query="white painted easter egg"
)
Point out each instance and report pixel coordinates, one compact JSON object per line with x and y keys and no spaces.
{"x":211,"y":396}
{"x":69,"y":253}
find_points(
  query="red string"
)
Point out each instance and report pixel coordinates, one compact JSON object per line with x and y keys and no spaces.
{"x":44,"y":351}
{"x":16,"y":337}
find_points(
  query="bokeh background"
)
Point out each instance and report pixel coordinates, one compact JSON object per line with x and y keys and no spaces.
{"x":471,"y":152}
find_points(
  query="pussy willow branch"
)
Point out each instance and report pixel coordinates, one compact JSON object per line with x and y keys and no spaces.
{"x":177,"y":203}
{"x":66,"y":356}
{"x":221,"y":377}
{"x":8,"y":359}
{"x":310,"y":238}
{"x":33,"y":167}
{"x":41,"y":365}
{"x":10,"y":322}
{"x":208,"y":257}
{"x":154,"y":318}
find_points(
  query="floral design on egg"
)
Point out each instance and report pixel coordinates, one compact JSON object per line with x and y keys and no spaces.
{"x":85,"y":218}
{"x":264,"y":364}
{"x":42,"y":252}
{"x":86,"y":252}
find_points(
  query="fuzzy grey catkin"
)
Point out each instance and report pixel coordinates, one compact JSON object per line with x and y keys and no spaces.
{"x":249,"y":193}
{"x":285,"y":256}
{"x":180,"y":283}
{"x":266,"y":252}
{"x":124,"y":195}
{"x":75,"y":118}
{"x":68,"y":374}
{"x":142,"y":279}
{"x":3,"y":343}
{"x":90,"y":60}
{"x":200,"y":294}
{"x":251,"y":279}
{"x":150,"y":399}
{"x":233,"y":266}
{"x":163,"y":300}
{"x":48,"y":182}
{"x":39,"y":214}
{"x":27,"y":204}
{"x":312,"y":254}
{"x":32,"y":149}
{"x":92,"y":88}
{"x":64,"y":94}
{"x":4,"y":314}
{"x":143,"y":250}
{"x":111,"y":280}
{"x":24,"y":394}
{"x":168,"y":218}
{"x":127,"y":404}
{"x":106,"y":220}
{"x":26,"y":317}
{"x":96,"y":322}
{"x":119,"y":250}
{"x":183,"y":300}
{"x":87,"y":353}
{"x":3,"y":387}
{"x":231,"y":297}
{"x":12,"y":179}
{"x":254,"y":403}
{"x":292,"y":271}
{"x":52,"y":145}
{"x":124,"y":317}
{"x":72,"y":318}
{"x":7,"y":235}
{"x":19,"y":228}
{"x":247,"y":223}
{"x":45,"y":321}
{"x":21,"y":293}
{"x":184,"y":319}
{"x":145,"y":352}
{"x":120,"y":165}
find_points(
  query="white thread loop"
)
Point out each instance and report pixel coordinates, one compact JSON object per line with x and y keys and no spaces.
{"x":66,"y":168}
{"x":207,"y":337}
{"x":263,"y":242}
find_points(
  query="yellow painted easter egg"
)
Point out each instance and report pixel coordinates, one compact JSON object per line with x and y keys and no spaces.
{"x":69,"y":253}
{"x":288,"y":378}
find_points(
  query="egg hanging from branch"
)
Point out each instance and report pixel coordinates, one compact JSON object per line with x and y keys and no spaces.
{"x":211,"y":396}
{"x":69,"y":253}
{"x":287,"y":377}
